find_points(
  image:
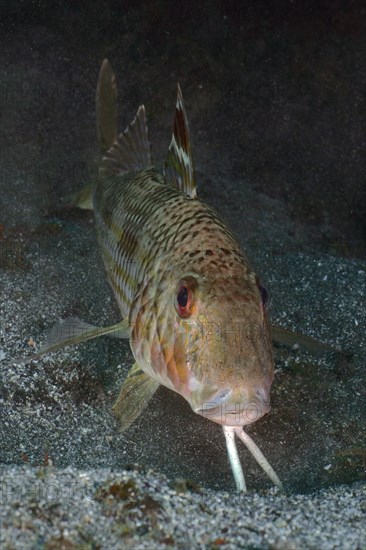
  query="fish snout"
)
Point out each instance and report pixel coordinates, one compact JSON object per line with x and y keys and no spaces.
{"x":262,"y":393}
{"x":230,"y":408}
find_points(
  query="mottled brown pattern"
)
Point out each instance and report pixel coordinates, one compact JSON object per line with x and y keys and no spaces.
{"x":152,"y":236}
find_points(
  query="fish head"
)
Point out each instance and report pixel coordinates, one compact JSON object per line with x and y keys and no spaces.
{"x":209,"y":340}
{"x":228,"y":348}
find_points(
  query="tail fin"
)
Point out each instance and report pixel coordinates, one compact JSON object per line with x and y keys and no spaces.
{"x":106,"y":106}
{"x":130,"y":150}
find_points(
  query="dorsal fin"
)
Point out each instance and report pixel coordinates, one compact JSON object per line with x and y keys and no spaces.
{"x":131,"y":151}
{"x":178,"y":165}
{"x":106,"y":106}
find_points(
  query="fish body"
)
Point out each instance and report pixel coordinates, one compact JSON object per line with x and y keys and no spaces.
{"x":154,"y":240}
{"x":197,"y":318}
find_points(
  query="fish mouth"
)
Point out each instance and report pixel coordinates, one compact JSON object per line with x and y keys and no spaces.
{"x":234,"y":412}
{"x":241,"y":416}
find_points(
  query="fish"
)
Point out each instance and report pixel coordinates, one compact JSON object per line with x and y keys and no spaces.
{"x":192,"y":307}
{"x":196,"y":309}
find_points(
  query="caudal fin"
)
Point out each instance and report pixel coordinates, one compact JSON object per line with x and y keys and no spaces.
{"x":106,"y":106}
{"x":130,"y":150}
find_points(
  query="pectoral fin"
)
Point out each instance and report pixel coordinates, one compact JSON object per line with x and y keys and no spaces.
{"x":82,"y":199}
{"x":72,"y":331}
{"x":135,"y":394}
{"x":291,"y":339}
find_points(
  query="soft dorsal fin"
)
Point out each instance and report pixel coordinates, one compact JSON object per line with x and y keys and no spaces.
{"x":131,"y":151}
{"x":106,"y":106}
{"x":178,"y":166}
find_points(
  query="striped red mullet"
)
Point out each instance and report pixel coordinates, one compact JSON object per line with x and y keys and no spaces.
{"x":196,"y":312}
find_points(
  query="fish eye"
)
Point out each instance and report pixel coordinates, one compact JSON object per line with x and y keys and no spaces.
{"x":263,"y":292}
{"x":184,"y":298}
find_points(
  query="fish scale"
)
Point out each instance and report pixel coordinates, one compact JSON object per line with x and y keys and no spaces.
{"x":140,"y":225}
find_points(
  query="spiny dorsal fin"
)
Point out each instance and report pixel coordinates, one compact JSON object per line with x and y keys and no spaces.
{"x":106,"y":106}
{"x":178,"y":166}
{"x":135,"y":394}
{"x":132,"y":149}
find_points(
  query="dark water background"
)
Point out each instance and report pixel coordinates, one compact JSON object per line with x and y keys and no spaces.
{"x":275,"y":93}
